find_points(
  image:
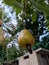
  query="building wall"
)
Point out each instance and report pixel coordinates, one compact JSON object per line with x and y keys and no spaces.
{"x":42,"y":59}
{"x":32,"y":60}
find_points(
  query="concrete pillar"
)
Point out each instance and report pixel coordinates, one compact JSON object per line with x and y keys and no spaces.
{"x":38,"y":57}
{"x":32,"y":60}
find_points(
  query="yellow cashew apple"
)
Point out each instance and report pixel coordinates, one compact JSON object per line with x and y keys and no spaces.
{"x":25,"y":37}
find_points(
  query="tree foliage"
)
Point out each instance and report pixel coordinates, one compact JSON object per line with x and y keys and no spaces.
{"x":28,"y":6}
